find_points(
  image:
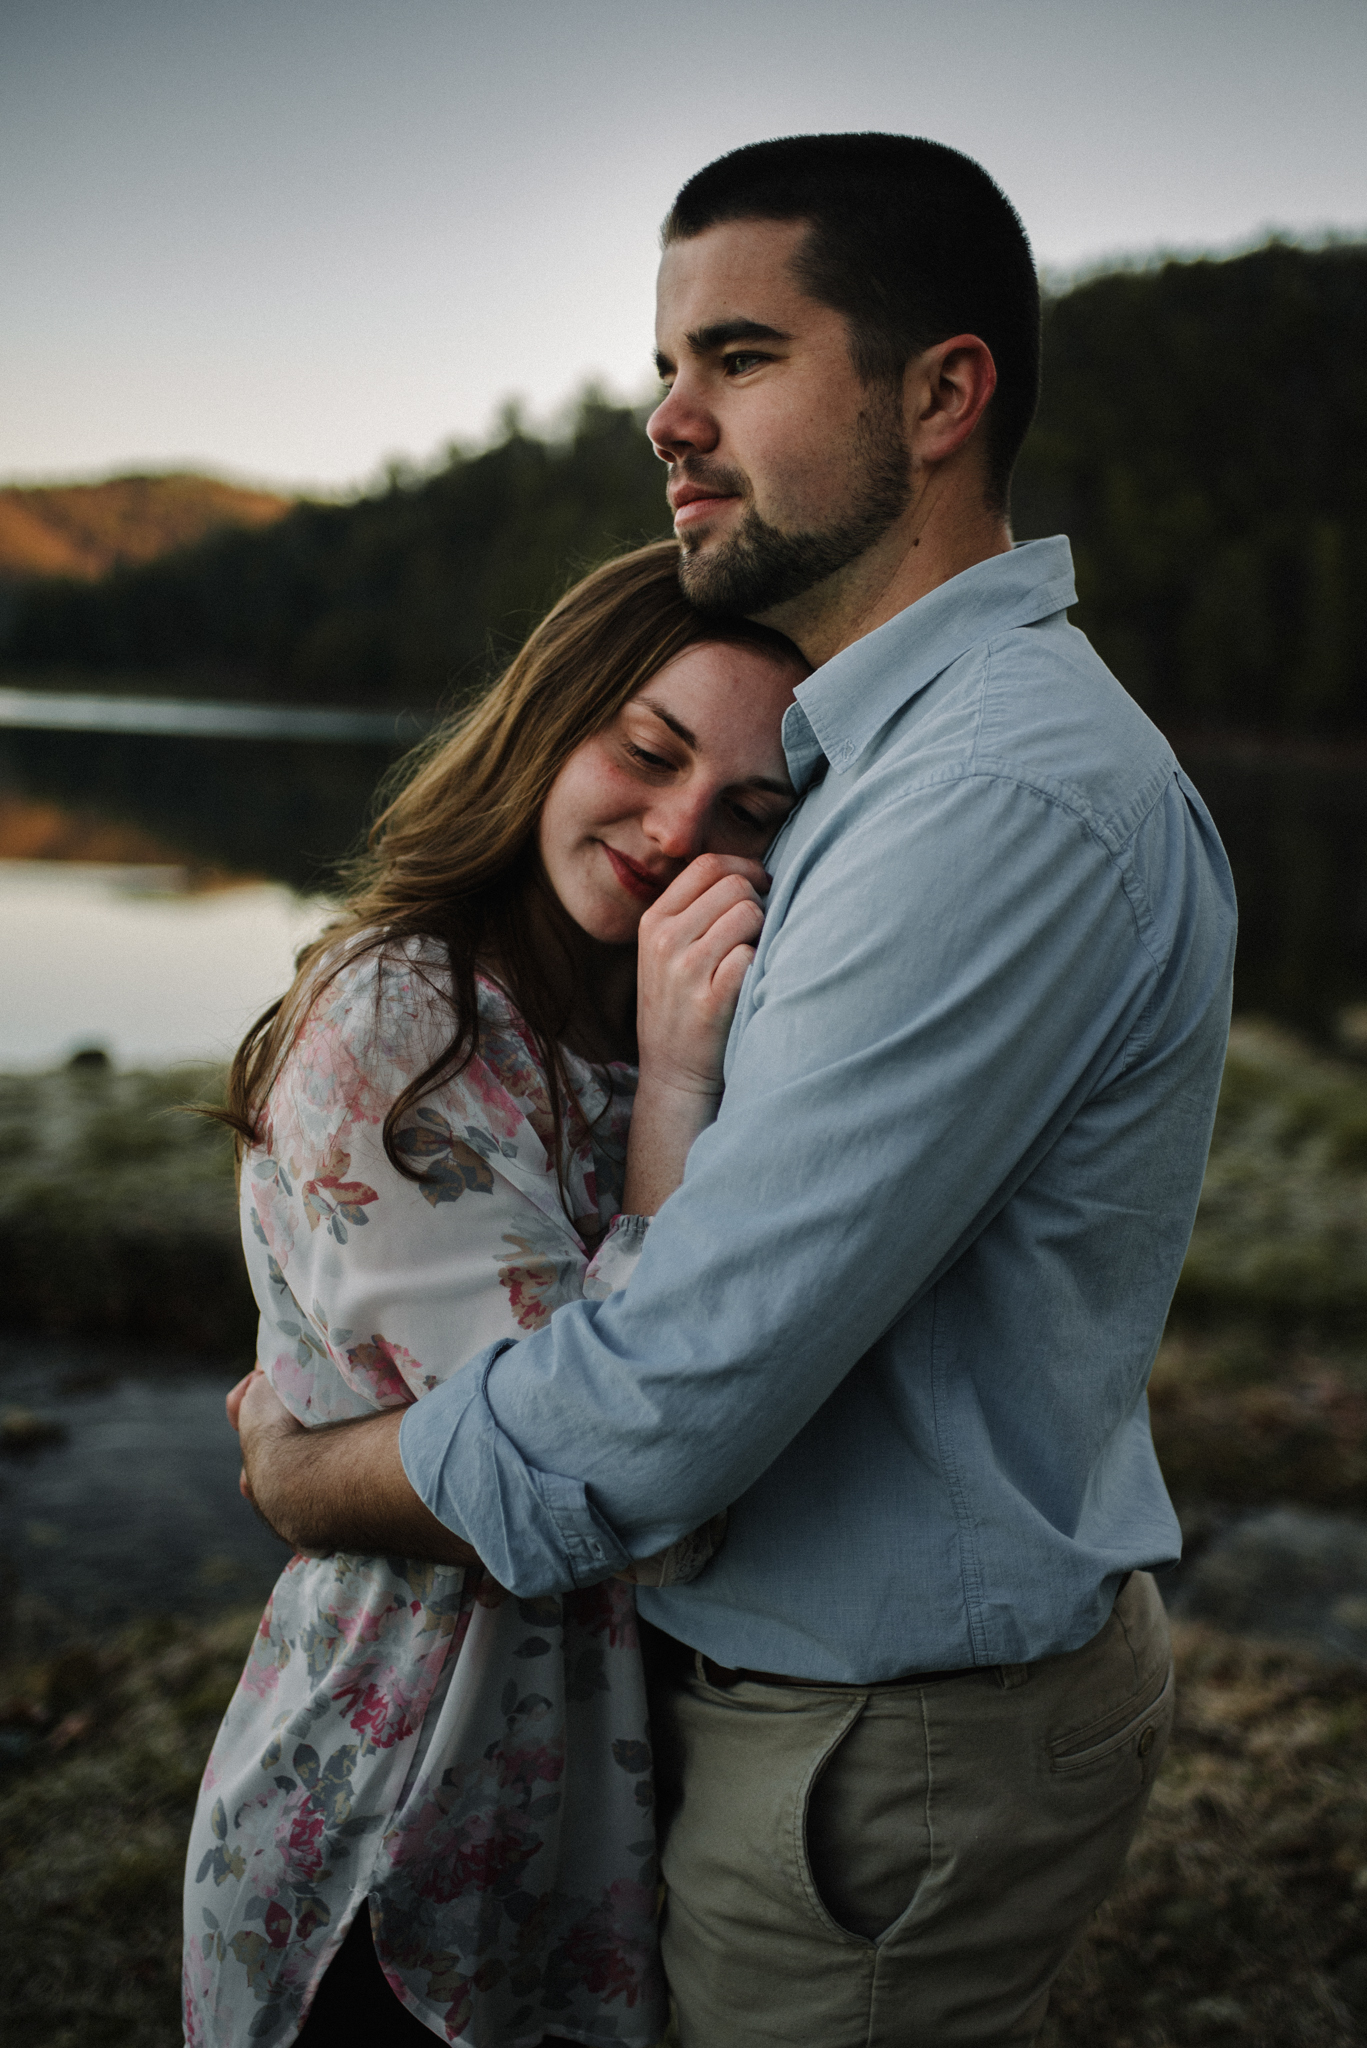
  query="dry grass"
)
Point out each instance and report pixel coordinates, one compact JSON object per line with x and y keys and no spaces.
{"x":1242,"y":1913}
{"x":107,"y":1748}
{"x":1241,"y":1917}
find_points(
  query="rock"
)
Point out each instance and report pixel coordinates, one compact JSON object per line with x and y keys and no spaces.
{"x":22,"y":1430}
{"x":90,"y":1059}
{"x":1214,"y":2019}
{"x":1286,"y":1574}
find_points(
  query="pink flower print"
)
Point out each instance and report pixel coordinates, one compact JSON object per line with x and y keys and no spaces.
{"x":488,"y":1847}
{"x":609,"y":1609}
{"x":304,"y":1856}
{"x":378,"y":1719}
{"x":377,"y":1366}
{"x":530,"y":1285}
{"x":330,"y":1199}
{"x":608,"y":1949}
{"x":520,"y":1769}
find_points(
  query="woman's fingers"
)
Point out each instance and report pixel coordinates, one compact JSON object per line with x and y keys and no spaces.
{"x":684,"y":924}
{"x":729,"y":974}
{"x":701,"y":874}
{"x":233,"y":1401}
{"x":738,"y":925}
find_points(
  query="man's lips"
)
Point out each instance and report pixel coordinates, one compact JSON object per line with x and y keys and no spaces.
{"x":693,"y":502}
{"x":636,"y":880}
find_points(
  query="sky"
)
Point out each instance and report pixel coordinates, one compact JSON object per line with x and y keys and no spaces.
{"x":288,"y":240}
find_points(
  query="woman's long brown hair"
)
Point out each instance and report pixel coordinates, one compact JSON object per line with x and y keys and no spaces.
{"x":453,"y":856}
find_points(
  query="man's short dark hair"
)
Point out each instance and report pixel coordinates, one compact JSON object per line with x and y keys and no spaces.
{"x":911,"y":241}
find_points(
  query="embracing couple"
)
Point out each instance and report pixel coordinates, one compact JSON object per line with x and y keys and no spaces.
{"x":798,"y":1530}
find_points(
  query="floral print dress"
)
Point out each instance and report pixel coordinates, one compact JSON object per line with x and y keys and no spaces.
{"x":408,"y":1739}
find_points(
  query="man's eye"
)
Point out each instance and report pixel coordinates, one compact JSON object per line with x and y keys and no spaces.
{"x":738,"y":365}
{"x":748,"y":819}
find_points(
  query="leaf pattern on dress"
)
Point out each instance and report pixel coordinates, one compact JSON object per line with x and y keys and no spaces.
{"x":449,"y":1166}
{"x":329,"y":1199}
{"x":403,"y":1732}
{"x":534,"y":1283}
{"x":376,"y":1365}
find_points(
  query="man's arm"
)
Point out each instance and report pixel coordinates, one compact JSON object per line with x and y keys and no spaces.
{"x":940,"y":996}
{"x":341,"y":1487}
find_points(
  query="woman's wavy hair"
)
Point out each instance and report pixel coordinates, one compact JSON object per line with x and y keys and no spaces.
{"x":453,"y":855}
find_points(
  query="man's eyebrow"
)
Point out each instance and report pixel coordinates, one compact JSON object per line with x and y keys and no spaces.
{"x":703,"y":341}
{"x":689,"y":739}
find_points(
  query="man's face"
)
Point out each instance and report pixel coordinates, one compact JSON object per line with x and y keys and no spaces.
{"x":784,"y":467}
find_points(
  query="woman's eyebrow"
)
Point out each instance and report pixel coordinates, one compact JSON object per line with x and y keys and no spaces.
{"x":677,"y":726}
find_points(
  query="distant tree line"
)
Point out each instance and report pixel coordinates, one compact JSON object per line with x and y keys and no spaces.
{"x":1202,"y":438}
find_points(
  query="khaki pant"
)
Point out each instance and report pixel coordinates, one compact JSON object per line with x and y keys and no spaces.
{"x":904,"y":1867}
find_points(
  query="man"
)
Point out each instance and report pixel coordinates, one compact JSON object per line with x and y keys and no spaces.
{"x":901,"y":1314}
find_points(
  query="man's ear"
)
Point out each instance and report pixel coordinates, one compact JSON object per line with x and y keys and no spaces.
{"x":947,"y":390}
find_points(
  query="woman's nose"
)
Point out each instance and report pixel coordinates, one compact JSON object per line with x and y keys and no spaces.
{"x":677,"y":825}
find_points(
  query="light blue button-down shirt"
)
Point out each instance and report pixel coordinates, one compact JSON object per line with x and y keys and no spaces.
{"x":901,"y":1314}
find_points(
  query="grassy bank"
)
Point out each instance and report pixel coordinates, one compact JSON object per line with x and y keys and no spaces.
{"x":118,"y":1219}
{"x":1241,"y":1917}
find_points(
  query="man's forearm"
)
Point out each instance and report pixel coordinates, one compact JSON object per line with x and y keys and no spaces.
{"x":342,"y":1487}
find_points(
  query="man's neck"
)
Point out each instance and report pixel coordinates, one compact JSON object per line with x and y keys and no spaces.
{"x":942,"y":532}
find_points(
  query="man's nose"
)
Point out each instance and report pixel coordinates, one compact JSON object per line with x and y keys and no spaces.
{"x":681,"y":424}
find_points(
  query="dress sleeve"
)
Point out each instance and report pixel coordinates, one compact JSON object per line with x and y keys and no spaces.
{"x":373,"y":1288}
{"x":616,"y":1258}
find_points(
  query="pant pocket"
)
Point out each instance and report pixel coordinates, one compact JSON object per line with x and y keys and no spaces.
{"x":1141,"y":1732}
{"x":867,"y":1833}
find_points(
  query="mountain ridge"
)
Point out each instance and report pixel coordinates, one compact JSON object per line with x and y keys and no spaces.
{"x":85,"y":530}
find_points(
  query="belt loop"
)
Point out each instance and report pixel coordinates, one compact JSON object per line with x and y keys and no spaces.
{"x":1009,"y":1676}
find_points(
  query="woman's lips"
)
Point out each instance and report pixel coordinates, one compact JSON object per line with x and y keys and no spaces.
{"x":635,"y":880}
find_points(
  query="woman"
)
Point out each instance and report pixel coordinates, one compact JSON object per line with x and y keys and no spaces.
{"x":433,"y":1125}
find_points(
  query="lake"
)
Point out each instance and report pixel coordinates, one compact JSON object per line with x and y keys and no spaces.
{"x":136,"y":1509}
{"x":139,"y":961}
{"x":288,"y":804}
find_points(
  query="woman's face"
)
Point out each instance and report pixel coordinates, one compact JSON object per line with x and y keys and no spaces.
{"x":691,"y":764}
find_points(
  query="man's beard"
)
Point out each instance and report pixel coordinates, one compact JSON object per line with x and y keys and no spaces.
{"x":758,"y":567}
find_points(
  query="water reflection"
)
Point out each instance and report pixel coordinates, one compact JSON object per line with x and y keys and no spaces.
{"x":136,"y":1509}
{"x":134,"y":960}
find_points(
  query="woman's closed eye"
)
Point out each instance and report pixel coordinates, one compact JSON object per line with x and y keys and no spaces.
{"x":655,"y":762}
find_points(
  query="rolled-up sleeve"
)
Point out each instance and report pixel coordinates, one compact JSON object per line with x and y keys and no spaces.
{"x":944,"y":975}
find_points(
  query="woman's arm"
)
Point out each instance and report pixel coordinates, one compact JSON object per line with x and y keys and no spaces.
{"x":695,"y":945}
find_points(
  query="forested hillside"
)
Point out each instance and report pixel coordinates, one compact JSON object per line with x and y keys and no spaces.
{"x":85,"y":530}
{"x":393,"y":599}
{"x":1202,"y":438}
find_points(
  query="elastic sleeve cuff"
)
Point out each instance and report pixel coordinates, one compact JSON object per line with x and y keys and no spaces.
{"x":536,"y":1532}
{"x":615,"y":1260}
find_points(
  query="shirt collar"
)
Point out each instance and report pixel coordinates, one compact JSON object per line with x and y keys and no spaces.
{"x":843,"y":704}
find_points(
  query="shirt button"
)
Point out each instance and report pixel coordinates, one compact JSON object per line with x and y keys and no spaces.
{"x":1146,"y":1742}
{"x":597,"y":1549}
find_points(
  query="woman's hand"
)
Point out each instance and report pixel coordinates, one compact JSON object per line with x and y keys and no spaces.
{"x":695,"y":945}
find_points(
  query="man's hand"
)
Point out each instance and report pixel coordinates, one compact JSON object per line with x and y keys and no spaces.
{"x":341,"y":1487}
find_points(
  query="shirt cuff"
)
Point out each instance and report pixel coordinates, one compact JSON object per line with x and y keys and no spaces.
{"x":536,"y":1532}
{"x":615,"y":1260}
